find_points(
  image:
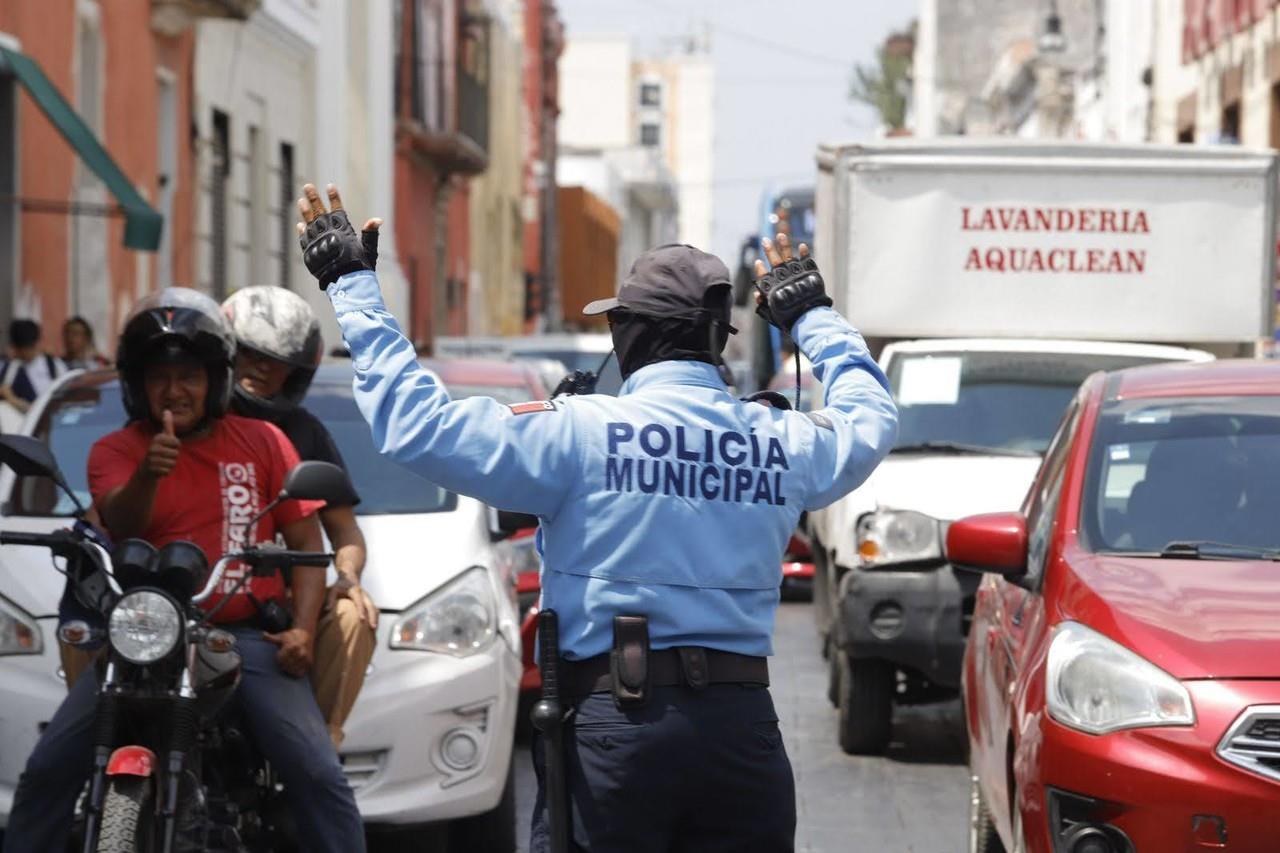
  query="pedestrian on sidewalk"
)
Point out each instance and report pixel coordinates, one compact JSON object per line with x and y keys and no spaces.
{"x":663,"y":515}
{"x":79,"y":351}
{"x":26,"y":373}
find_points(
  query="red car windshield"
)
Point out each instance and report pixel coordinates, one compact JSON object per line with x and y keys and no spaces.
{"x":1202,"y":472}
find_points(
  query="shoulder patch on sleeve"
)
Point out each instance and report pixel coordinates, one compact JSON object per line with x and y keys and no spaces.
{"x":820,"y":419}
{"x":531,"y":408}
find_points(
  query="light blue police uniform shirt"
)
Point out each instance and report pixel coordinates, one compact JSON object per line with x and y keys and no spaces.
{"x":674,"y":500}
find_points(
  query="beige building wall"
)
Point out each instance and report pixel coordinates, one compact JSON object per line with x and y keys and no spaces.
{"x":596,"y":93}
{"x":496,"y":284}
{"x":1243,"y":69}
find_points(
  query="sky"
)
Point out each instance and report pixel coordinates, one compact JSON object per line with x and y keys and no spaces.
{"x":782,"y":82}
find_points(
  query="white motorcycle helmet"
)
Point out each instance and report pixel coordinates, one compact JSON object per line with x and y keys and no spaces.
{"x":278,"y":323}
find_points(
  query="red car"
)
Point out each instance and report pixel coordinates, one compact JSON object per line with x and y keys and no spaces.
{"x":1122,"y":681}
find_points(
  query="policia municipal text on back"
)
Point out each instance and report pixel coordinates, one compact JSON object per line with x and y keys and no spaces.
{"x":663,"y":516}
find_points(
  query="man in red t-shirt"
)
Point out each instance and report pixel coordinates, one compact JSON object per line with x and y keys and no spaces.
{"x":184,"y":469}
{"x":205,"y":487}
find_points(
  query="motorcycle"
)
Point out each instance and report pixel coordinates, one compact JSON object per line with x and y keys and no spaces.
{"x":174,"y":768}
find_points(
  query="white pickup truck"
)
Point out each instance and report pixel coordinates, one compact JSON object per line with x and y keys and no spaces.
{"x":993,"y":278}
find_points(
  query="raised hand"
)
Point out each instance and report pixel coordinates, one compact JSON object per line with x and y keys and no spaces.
{"x":793,"y":287}
{"x":330,"y":246}
{"x":162,"y":453}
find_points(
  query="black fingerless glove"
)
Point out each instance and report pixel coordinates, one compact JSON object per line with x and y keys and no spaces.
{"x":791,"y":289}
{"x":331,"y":248}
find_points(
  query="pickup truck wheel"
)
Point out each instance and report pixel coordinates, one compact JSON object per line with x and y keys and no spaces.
{"x":982,"y":832}
{"x":866,"y":704}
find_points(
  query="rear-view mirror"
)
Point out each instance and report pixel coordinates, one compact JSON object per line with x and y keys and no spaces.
{"x":995,"y":543}
{"x":319,"y":481}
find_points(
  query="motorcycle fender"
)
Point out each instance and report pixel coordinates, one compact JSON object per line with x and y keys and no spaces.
{"x":131,"y":761}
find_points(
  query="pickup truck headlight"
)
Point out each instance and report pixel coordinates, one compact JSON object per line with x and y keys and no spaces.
{"x":458,"y":619}
{"x":19,"y":633}
{"x":1098,"y":686}
{"x":898,"y":536}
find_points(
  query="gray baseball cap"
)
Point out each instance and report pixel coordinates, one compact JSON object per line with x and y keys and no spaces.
{"x":670,"y":281}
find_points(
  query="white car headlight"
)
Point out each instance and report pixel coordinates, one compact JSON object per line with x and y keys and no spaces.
{"x":1097,"y":685}
{"x":144,"y":626}
{"x":898,"y":536}
{"x":458,"y":619}
{"x":19,"y":633}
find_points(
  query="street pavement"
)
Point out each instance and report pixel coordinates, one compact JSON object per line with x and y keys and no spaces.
{"x":911,"y":800}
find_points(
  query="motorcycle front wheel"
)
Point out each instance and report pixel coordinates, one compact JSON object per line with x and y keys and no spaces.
{"x":125,"y":816}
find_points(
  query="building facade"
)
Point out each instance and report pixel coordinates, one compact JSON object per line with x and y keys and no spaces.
{"x":610,"y":146}
{"x":543,"y":45}
{"x":496,"y":288}
{"x":1217,"y":72}
{"x":255,"y":120}
{"x":97,"y":169}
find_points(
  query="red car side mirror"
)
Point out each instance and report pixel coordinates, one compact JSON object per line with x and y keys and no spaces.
{"x":994,"y":543}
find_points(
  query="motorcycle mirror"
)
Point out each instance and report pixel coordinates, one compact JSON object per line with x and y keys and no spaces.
{"x":319,"y":481}
{"x":30,"y":457}
{"x":27,"y":456}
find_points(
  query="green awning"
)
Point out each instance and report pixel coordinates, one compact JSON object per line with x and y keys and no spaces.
{"x":143,"y":222}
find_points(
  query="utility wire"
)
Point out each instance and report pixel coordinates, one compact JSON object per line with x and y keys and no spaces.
{"x":794,"y":53}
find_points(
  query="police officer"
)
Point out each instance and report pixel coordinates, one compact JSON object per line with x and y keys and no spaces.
{"x":663,"y":515}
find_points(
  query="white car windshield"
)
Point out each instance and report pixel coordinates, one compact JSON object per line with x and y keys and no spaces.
{"x":81,"y":412}
{"x":1007,"y":402}
{"x":1192,"y":477}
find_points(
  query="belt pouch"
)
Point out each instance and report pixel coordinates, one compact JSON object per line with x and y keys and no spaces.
{"x":629,"y":662}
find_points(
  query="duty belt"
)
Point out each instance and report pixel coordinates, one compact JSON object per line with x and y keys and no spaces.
{"x":686,"y":666}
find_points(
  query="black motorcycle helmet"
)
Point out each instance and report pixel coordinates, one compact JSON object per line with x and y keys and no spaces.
{"x":176,"y":322}
{"x":277,"y":323}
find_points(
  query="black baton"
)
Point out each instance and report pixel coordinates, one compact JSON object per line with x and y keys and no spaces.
{"x":548,"y":718}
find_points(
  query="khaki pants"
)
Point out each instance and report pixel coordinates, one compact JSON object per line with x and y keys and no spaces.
{"x":344,"y":647}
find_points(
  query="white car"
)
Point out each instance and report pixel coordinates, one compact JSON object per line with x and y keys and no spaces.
{"x":430,"y":738}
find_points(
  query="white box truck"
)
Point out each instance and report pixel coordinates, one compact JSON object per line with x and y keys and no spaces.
{"x":992,"y":278}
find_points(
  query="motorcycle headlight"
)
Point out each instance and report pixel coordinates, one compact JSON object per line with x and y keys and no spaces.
{"x":898,"y":536}
{"x":1098,"y":686}
{"x":458,"y":619}
{"x":19,"y":633}
{"x":144,"y":626}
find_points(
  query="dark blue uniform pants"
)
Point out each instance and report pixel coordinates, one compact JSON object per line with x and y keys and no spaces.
{"x":697,"y":771}
{"x":286,"y":724}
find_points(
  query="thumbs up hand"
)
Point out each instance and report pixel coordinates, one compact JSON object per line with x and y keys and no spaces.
{"x":162,"y":454}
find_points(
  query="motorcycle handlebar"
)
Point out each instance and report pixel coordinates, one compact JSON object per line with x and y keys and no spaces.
{"x":261,"y":558}
{"x":38,"y":540}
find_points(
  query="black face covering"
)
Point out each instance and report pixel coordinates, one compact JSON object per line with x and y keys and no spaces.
{"x":641,"y":340}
